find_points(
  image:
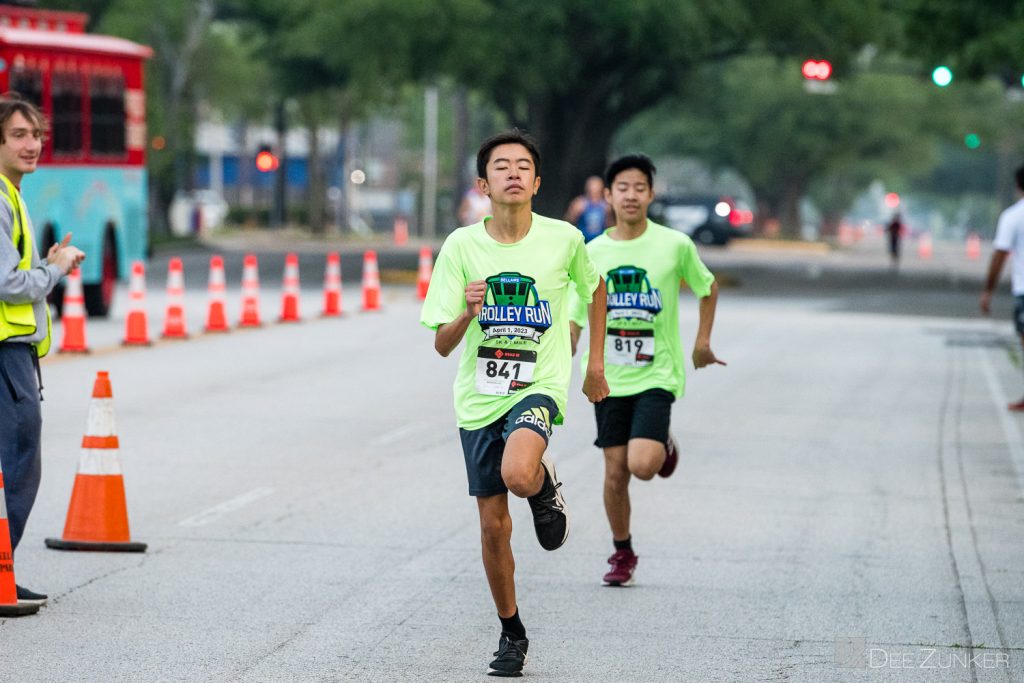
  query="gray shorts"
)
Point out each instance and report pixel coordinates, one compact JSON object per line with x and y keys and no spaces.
{"x":483,"y":448}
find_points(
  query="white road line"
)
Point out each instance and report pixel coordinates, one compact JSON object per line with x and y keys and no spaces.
{"x":211,"y":514}
{"x":1014,"y":441}
{"x":398,"y":434}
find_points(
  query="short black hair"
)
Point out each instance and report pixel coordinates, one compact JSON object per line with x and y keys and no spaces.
{"x":1019,"y":175}
{"x":640,"y":162}
{"x":509,"y":137}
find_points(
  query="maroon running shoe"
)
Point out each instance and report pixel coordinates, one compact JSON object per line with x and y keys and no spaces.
{"x":671,"y":458}
{"x":1017,"y":406}
{"x":623,"y":564}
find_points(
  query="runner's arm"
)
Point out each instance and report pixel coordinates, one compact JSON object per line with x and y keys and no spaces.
{"x":595,"y":386}
{"x":702,"y":353}
{"x":574,"y":335}
{"x":995,"y":267}
{"x":449,"y":335}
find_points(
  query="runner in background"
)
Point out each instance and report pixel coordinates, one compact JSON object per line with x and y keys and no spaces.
{"x":589,"y":212}
{"x":644,"y":264}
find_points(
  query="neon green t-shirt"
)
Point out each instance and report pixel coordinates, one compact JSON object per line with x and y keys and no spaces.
{"x":519,"y":344}
{"x":642,"y":347}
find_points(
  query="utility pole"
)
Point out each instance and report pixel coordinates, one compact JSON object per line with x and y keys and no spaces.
{"x":430,"y":163}
{"x":278,"y":216}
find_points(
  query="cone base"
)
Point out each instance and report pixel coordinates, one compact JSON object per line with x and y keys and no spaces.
{"x":63,"y":544}
{"x":20,"y":610}
{"x":82,"y":350}
{"x":136,"y":342}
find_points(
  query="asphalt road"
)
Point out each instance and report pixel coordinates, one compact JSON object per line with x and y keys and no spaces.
{"x":848,"y":506}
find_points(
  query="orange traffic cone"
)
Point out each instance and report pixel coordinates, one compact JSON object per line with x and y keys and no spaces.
{"x":332,"y":286}
{"x":924,"y":245}
{"x":371,"y":281}
{"x":9,"y":605}
{"x":136,"y":327}
{"x":426,"y":270}
{"x":290,"y":296}
{"x":250,"y":292}
{"x":174,"y":317}
{"x":973,"y":247}
{"x":216,"y":318}
{"x":98,"y":514}
{"x":73,"y":318}
{"x":401,"y":231}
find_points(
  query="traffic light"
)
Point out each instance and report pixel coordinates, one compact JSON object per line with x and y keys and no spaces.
{"x":942,"y":76}
{"x":817,"y":70}
{"x":892,"y":200}
{"x":972,"y":141}
{"x":266,"y":160}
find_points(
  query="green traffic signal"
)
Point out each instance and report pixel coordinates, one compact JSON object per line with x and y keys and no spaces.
{"x":972,"y":140}
{"x":942,"y":76}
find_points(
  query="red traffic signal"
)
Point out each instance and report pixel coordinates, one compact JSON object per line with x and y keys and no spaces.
{"x":816,"y":70}
{"x":892,"y":200}
{"x":266,"y":160}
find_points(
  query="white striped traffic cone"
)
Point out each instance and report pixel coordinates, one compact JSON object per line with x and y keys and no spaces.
{"x":250,"y":292}
{"x":174,"y":316}
{"x":290,"y":295}
{"x":73,"y":318}
{"x":216,"y":317}
{"x":98,"y":513}
{"x":136,"y":327}
{"x":332,"y":286}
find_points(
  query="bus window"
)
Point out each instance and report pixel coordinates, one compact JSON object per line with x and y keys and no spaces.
{"x":106,"y":98}
{"x":67,"y":113}
{"x":29,"y":84}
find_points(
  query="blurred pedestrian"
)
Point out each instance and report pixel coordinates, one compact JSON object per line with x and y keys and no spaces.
{"x":475,"y":206}
{"x":25,"y":326}
{"x":645,"y":266}
{"x":503,"y":285}
{"x":589,"y":212}
{"x":1009,"y":240}
{"x":895,"y":233}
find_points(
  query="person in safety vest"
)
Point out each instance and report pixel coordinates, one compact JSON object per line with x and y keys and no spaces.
{"x":25,"y":327}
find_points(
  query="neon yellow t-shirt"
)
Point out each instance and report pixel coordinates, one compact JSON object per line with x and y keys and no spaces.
{"x":519,"y":344}
{"x":642,"y":347}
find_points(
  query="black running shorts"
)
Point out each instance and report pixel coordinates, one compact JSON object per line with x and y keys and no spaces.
{"x":483,"y":448}
{"x":641,"y":416}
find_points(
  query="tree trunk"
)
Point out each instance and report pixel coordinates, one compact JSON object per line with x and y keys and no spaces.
{"x":314,"y":168}
{"x":574,"y":137}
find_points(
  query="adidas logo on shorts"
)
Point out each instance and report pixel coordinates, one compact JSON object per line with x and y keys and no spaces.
{"x":538,"y":417}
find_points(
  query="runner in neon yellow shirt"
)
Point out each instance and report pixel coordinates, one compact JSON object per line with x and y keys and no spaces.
{"x":503,"y":284}
{"x":644,"y":264}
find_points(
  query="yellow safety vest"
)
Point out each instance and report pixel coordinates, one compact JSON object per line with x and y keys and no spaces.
{"x":18,"y":320}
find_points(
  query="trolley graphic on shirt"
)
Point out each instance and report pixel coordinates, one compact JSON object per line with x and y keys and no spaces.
{"x":508,"y":312}
{"x":630,"y":295}
{"x":512,"y":310}
{"x":631,"y":298}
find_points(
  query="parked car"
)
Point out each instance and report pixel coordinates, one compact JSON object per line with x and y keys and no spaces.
{"x":708,"y":219}
{"x":196,"y":212}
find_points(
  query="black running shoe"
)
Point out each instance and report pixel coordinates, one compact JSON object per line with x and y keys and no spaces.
{"x":510,"y":657}
{"x":550,"y":518}
{"x":30,"y":597}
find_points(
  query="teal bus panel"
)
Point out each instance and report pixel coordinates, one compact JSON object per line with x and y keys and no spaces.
{"x":83,"y":200}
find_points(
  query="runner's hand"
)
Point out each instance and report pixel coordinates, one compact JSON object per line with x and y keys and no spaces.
{"x":986,"y":302}
{"x":595,"y":386}
{"x":475,"y":292}
{"x":704,"y":356}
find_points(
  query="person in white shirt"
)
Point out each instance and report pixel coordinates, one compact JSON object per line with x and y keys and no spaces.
{"x":1009,"y":240}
